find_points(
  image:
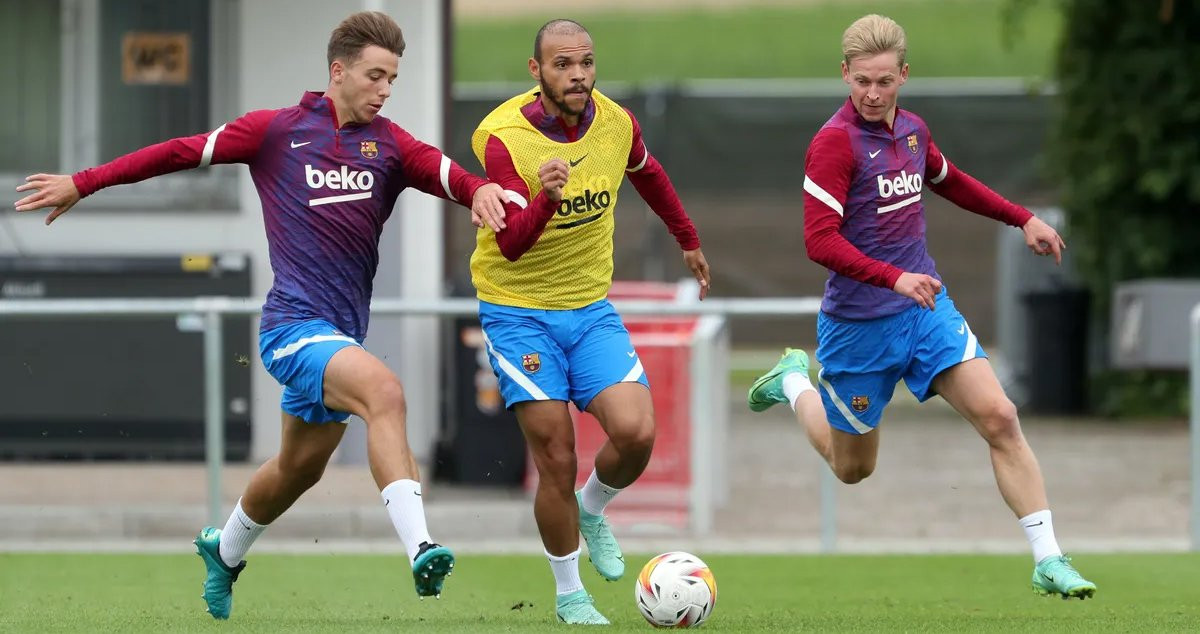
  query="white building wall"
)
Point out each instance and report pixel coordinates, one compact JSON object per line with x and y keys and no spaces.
{"x":280,"y":53}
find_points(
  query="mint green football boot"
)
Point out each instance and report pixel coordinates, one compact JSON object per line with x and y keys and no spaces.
{"x":767,"y":389}
{"x":218,"y":584}
{"x":1056,"y":575}
{"x":431,"y":566}
{"x":577,"y":608}
{"x":602,"y":545}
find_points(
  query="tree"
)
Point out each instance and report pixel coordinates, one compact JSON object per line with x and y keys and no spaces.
{"x":1126,"y":146}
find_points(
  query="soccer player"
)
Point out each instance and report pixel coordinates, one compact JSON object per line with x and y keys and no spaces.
{"x":561,"y":151}
{"x":885,"y":315}
{"x":328,"y":172}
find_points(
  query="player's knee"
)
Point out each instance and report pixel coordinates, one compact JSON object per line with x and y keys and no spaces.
{"x":852,"y":472}
{"x":999,"y":424}
{"x":557,"y":464}
{"x":634,"y":436}
{"x":386,"y":400}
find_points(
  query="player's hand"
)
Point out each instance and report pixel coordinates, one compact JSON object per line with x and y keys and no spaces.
{"x":487,"y":207}
{"x":1042,"y":239}
{"x":52,"y":190}
{"x":919,"y":287}
{"x":553,"y":174}
{"x":696,"y":263}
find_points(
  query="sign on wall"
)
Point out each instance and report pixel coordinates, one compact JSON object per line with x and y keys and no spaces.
{"x":156,"y":58}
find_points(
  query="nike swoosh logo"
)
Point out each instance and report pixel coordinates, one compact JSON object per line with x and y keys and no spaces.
{"x":961,"y":330}
{"x":417,"y":493}
{"x":870,"y":154}
{"x":1049,"y":578}
{"x":632,"y":355}
{"x":1032,"y":525}
{"x":578,"y":160}
{"x":243,"y":524}
{"x":296,"y":145}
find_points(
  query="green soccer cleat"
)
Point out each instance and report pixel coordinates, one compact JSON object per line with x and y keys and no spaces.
{"x":767,"y":390}
{"x":603,"y":550}
{"x":430,"y":568}
{"x":218,"y":585}
{"x":576,"y":608}
{"x":1055,"y":575}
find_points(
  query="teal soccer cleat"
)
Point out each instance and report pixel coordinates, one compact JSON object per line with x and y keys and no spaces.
{"x":432,"y":565}
{"x":767,"y":389}
{"x":576,"y":608}
{"x":1055,"y":575}
{"x":218,"y":585}
{"x":603,"y":550}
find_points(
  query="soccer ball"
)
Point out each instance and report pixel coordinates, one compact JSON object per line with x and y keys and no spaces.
{"x":675,"y":590}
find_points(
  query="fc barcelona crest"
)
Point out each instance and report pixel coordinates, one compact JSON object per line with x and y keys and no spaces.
{"x":531,"y":362}
{"x":861,"y":403}
{"x":370,"y":150}
{"x":912,"y":143}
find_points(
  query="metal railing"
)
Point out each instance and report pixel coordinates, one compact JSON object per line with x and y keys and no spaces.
{"x":709,"y":345}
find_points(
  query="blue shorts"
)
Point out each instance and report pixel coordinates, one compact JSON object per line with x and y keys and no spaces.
{"x":861,"y":361}
{"x":558,"y":355}
{"x":296,"y":355}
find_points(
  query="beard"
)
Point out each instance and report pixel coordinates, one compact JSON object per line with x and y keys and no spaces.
{"x":559,"y":99}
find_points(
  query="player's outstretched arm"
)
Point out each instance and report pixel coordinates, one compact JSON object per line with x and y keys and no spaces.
{"x":1042,"y":239}
{"x":235,"y":142}
{"x":56,"y":192}
{"x":431,"y":171}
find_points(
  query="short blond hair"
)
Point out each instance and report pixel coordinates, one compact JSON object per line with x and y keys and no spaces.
{"x":872,"y":35}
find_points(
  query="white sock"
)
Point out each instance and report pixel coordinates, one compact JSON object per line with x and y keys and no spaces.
{"x":402,"y":499}
{"x":795,"y":384}
{"x":566,"y":572}
{"x":595,"y":495}
{"x":240,"y":532}
{"x":1039,"y":530}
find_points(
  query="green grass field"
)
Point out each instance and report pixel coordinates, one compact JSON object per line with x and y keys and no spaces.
{"x":161,"y":593}
{"x":947,"y":38}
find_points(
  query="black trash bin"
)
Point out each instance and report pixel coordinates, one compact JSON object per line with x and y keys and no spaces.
{"x":1056,"y":350}
{"x":480,"y":441}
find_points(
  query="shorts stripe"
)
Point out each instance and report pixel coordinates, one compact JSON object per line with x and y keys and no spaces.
{"x":295,"y":346}
{"x":513,"y":373}
{"x":635,"y":374}
{"x":972,"y":344}
{"x":858,"y":425}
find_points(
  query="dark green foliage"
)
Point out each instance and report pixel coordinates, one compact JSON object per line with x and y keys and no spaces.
{"x":1127,"y":147}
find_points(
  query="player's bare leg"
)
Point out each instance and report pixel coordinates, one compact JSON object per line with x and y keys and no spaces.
{"x":973,"y":390}
{"x":852,"y":457}
{"x":303,"y":453}
{"x":550,"y":434}
{"x":359,"y":383}
{"x":626,"y":412}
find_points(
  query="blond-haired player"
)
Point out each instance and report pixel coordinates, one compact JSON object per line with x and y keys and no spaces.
{"x":885,"y":315}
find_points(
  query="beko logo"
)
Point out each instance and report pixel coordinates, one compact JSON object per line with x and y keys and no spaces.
{"x":344,"y":179}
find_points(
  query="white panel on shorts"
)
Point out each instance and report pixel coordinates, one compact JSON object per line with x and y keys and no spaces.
{"x":513,"y":373}
{"x":295,"y":346}
{"x":858,"y":425}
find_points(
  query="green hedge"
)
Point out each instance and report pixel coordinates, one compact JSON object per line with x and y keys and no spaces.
{"x":1127,"y":144}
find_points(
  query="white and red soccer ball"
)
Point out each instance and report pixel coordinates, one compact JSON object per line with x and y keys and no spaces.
{"x":676,"y":589}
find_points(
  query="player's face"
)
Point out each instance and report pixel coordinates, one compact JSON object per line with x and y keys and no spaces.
{"x":362,"y":86}
{"x":567,"y":72}
{"x":874,"y":85}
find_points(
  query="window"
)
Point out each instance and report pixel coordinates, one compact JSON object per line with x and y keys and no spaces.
{"x":95,"y":79}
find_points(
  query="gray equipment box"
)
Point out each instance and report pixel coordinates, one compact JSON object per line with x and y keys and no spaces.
{"x":1150,"y":323}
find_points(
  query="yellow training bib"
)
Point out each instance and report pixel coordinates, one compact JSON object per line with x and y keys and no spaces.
{"x":571,"y":264}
